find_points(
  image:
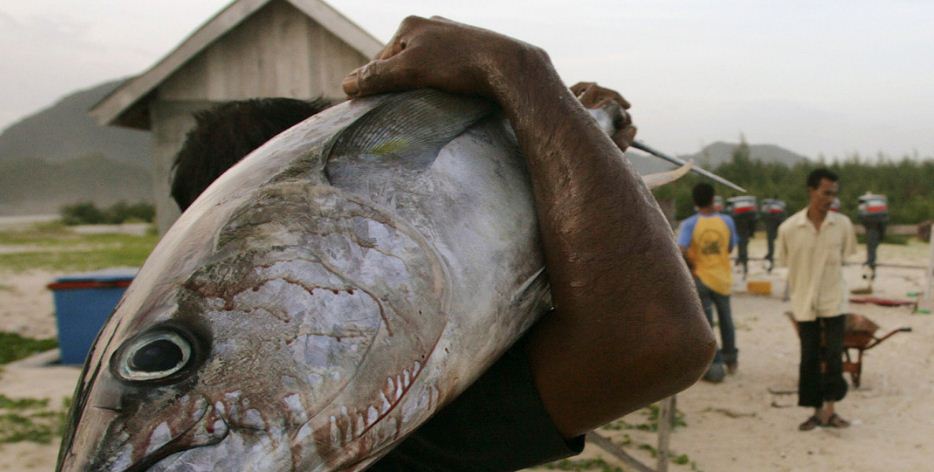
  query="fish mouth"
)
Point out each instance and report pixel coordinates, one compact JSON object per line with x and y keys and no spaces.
{"x":206,"y":430}
{"x":198,"y":435}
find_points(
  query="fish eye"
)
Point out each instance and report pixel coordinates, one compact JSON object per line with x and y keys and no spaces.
{"x":155,"y":355}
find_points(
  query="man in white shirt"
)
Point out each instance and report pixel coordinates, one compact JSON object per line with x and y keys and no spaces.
{"x":813,"y":244}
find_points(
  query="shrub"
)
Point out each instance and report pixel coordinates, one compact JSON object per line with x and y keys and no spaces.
{"x":86,"y":213}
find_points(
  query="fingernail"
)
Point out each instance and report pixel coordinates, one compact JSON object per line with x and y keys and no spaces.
{"x":351,"y":83}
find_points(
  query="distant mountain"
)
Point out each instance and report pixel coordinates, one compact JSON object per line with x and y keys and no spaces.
{"x":60,"y":156}
{"x":64,"y":131}
{"x":715,"y":154}
{"x":34,"y":186}
{"x":720,"y":152}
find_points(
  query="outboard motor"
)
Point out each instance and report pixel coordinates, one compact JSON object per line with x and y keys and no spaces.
{"x":745,"y":213}
{"x":772,"y":212}
{"x":873,"y":213}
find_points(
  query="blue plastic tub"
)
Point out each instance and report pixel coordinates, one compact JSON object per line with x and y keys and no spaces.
{"x":83,"y":302}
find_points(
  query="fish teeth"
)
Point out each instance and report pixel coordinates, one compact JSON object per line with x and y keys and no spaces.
{"x":390,"y":387}
{"x":417,"y":368}
{"x":335,"y":433}
{"x":406,"y":378}
{"x":384,"y":403}
{"x":398,"y":392}
{"x":372,"y":414}
{"x":220,"y":428}
{"x":347,"y":422}
{"x":360,"y":425}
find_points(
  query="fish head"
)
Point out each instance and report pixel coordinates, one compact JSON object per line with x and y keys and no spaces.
{"x":266,"y":349}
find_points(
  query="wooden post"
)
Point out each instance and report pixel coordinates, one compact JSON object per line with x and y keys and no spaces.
{"x":929,"y":278}
{"x":666,"y":421}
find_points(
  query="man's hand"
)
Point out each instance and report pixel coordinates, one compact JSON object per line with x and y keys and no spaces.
{"x":594,"y":96}
{"x":444,"y":55}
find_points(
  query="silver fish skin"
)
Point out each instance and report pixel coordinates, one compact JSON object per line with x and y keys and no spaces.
{"x":322,"y":298}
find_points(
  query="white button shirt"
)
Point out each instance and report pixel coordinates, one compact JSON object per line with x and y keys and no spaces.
{"x":815,"y":263}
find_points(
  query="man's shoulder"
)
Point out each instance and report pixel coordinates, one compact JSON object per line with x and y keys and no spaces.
{"x":687,"y":225}
{"x":791,"y":221}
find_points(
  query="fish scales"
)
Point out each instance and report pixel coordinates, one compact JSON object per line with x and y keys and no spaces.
{"x":322,"y":298}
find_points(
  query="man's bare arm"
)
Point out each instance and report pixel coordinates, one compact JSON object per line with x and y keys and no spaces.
{"x":628,"y":328}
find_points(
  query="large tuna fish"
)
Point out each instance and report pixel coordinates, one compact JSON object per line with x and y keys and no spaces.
{"x":321,"y":299}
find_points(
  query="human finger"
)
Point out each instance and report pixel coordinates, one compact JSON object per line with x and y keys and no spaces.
{"x":625,"y":137}
{"x":589,"y":96}
{"x":592,"y":95}
{"x":606,"y":95}
{"x":579,"y":88}
{"x":379,"y":76}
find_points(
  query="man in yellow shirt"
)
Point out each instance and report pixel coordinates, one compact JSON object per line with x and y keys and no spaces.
{"x":706,"y":240}
{"x":813,"y":244}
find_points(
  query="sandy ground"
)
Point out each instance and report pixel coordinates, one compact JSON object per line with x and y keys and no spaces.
{"x":734,"y":426}
{"x":26,"y":308}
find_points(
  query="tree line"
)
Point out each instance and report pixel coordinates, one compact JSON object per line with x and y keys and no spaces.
{"x":908,"y":183}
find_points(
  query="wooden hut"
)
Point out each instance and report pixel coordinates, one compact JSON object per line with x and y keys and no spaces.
{"x":253,"y":48}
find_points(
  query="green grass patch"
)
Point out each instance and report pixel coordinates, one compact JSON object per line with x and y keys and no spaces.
{"x":651,"y":414}
{"x":38,"y":234}
{"x":64,"y":250}
{"x":14,"y":347}
{"x":77,"y":260}
{"x":31,"y":419}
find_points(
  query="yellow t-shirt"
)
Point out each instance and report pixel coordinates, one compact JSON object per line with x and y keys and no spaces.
{"x":709,"y":240}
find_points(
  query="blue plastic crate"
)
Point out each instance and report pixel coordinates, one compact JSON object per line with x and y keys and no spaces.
{"x":83,"y":302}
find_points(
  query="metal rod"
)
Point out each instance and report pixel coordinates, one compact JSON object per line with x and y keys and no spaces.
{"x":674,"y":160}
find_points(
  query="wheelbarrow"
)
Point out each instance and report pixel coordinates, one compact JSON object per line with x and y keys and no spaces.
{"x":859,"y":334}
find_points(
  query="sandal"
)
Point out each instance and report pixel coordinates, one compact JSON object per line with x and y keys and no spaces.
{"x":810,"y":424}
{"x":835,"y":421}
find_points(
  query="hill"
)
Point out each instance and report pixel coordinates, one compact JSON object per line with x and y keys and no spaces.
{"x":64,"y":131}
{"x":713,"y":155}
{"x":719,"y":152}
{"x":60,"y":156}
{"x":34,"y":186}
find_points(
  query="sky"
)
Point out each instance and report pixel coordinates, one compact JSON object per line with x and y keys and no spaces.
{"x":829,"y":78}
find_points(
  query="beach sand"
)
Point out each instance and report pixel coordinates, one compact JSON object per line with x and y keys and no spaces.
{"x":737,"y":425}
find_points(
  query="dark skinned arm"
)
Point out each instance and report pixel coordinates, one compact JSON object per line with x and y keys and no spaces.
{"x":628,"y":328}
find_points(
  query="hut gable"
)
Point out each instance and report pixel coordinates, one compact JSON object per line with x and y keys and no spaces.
{"x":296,"y":57}
{"x":253,"y":48}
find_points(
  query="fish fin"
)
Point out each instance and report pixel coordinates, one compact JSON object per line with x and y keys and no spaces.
{"x":662,"y":178}
{"x":405,"y":130}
